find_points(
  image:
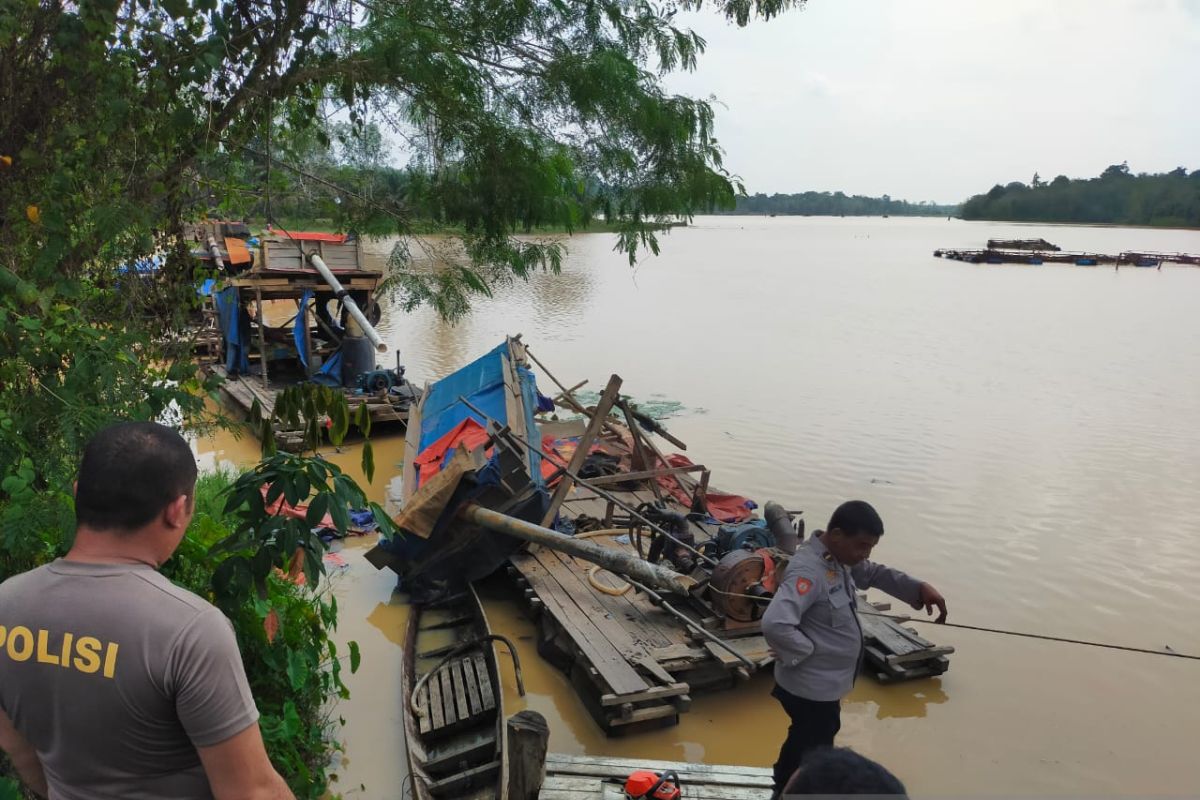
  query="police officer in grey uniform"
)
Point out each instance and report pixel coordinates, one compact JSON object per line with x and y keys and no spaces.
{"x":813,"y":630}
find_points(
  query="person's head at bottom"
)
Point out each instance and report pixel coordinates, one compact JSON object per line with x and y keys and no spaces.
{"x":839,"y":770}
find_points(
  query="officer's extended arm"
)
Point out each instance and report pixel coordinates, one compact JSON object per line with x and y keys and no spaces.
{"x":781,"y":622}
{"x":902,"y":586}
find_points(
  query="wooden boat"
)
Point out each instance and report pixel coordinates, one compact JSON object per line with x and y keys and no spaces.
{"x":453,"y":703}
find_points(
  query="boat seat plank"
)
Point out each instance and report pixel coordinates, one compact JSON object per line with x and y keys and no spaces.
{"x":460,"y":689}
{"x":472,"y":685}
{"x":454,"y":785}
{"x":423,"y":703}
{"x":484,"y":682}
{"x":437,"y":718}
{"x":450,"y":711}
{"x":453,"y":756}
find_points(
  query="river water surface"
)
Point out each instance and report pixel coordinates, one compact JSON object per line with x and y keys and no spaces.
{"x":1030,"y":435}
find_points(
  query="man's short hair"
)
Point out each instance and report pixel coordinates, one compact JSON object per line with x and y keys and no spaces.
{"x":130,"y":472}
{"x":838,"y":771}
{"x":856,"y":517}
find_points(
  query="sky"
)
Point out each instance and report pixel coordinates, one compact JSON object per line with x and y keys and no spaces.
{"x":941,"y":99}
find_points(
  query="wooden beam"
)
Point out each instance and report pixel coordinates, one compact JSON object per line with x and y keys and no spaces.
{"x":607,"y":399}
{"x":262,"y":335}
{"x":644,"y":474}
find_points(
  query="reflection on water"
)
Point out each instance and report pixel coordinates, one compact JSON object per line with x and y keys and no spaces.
{"x":1029,"y":435}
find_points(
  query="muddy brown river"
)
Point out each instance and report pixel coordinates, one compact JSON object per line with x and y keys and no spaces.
{"x":1030,"y":435}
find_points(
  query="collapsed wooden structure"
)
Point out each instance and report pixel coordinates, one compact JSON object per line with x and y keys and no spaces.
{"x":258,"y":356}
{"x":655,"y":592}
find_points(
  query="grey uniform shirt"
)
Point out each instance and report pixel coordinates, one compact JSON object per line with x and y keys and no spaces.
{"x":115,"y":676}
{"x":811,"y":623}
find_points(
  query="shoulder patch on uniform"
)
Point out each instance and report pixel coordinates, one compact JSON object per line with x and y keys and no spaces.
{"x":803,"y":585}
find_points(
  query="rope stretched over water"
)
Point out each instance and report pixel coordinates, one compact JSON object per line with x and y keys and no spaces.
{"x":1168,"y":652}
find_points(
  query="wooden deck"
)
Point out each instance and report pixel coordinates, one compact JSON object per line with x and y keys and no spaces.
{"x":631,"y":661}
{"x":243,"y":393}
{"x":602,"y":778}
{"x":637,"y":666}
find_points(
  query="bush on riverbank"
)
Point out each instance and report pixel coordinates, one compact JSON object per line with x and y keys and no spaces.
{"x":291,"y":662}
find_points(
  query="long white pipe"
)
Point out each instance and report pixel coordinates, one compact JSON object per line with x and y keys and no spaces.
{"x":351,"y":306}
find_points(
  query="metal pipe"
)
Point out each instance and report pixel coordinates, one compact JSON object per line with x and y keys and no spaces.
{"x":355,"y":312}
{"x":657,"y":599}
{"x":607,"y":557}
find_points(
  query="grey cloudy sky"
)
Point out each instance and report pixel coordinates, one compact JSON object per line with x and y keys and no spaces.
{"x":940,"y":99}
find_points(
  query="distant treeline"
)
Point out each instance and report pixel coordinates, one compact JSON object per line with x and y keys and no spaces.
{"x":836,"y":204}
{"x":1118,"y":197}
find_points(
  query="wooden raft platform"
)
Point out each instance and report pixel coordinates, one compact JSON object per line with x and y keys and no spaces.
{"x":249,"y":388}
{"x":630,"y":661}
{"x":636,"y":666}
{"x":602,"y":777}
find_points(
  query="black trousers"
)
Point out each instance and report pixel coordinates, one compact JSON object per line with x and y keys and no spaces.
{"x":814,"y":724}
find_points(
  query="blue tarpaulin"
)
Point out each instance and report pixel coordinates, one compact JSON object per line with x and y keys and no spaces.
{"x":482,"y":383}
{"x":299,"y":326}
{"x":235,"y":330}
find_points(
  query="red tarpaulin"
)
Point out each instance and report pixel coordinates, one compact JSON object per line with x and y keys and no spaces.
{"x":429,"y":461}
{"x":309,"y":236}
{"x":721,"y":506}
{"x":283,"y":508}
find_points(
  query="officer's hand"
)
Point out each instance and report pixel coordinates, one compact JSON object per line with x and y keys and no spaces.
{"x":931,"y":597}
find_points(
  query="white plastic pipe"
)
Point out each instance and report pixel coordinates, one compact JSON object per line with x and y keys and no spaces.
{"x":351,"y":306}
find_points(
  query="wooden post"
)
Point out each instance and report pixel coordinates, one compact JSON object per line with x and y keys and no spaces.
{"x":262,"y":334}
{"x":700,"y":496}
{"x":528,"y":740}
{"x":303,"y":317}
{"x":607,"y":399}
{"x":638,"y":458}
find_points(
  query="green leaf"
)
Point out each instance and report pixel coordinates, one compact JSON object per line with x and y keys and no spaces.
{"x":297,"y":669}
{"x":368,"y":461}
{"x":317,"y":510}
{"x":355,"y":657}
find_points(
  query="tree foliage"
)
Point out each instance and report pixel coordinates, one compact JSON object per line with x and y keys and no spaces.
{"x":1117,"y":196}
{"x":832,"y":204}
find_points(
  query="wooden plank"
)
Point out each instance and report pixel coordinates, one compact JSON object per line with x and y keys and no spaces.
{"x":561,"y":764}
{"x":436,"y":715}
{"x":655,"y":693}
{"x":472,"y":750}
{"x":643,"y":474}
{"x":412,"y":447}
{"x":611,"y":615}
{"x":486,"y":696}
{"x":595,"y":646}
{"x":262,"y":336}
{"x":607,"y":399}
{"x":460,"y":689}
{"x":463,"y":780}
{"x":890,"y":636}
{"x":592,"y":787}
{"x":644,"y":714}
{"x":472,"y":684}
{"x":451,"y":713}
{"x":423,"y":704}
